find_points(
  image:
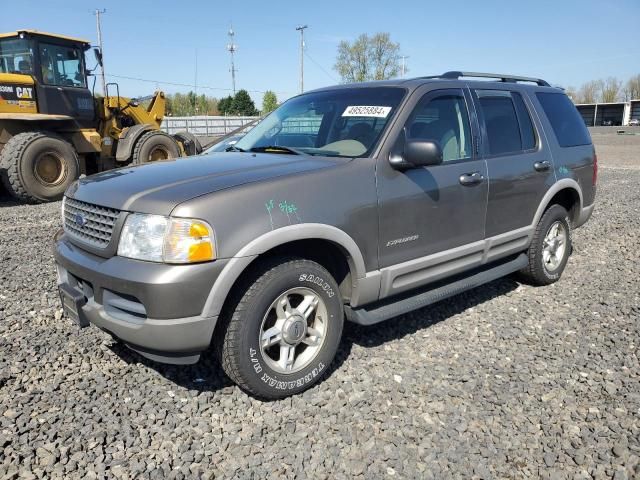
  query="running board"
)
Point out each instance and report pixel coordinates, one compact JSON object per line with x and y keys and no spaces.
{"x":370,"y":314}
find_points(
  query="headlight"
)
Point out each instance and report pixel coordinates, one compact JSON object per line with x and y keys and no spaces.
{"x":165,"y":239}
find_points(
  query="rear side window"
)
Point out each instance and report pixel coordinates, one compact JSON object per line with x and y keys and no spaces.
{"x":565,"y":120}
{"x":527,"y":133}
{"x":501,"y":121}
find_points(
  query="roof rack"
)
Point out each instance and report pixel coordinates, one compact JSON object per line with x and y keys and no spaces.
{"x":454,"y":75}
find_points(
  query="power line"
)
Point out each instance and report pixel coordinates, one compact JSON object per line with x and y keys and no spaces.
{"x":177,"y":84}
{"x":321,"y":68}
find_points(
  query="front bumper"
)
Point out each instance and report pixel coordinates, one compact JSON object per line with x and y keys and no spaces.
{"x":156,"y":309}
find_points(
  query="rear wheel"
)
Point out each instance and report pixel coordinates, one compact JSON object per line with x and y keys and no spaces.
{"x":153,"y":146}
{"x":550,"y":248}
{"x":190,"y":143}
{"x":39,"y":166}
{"x":283,"y":330}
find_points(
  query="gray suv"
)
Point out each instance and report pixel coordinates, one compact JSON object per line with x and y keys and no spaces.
{"x":358,"y":202}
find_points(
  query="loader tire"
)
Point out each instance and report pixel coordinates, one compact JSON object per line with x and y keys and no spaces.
{"x":153,"y":146}
{"x":38,"y":166}
{"x":190,"y":143}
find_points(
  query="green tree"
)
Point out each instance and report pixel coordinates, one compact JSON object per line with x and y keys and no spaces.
{"x":269,"y":102}
{"x":368,"y":58}
{"x":242,"y":104}
{"x":184,"y":105}
{"x":225,"y":105}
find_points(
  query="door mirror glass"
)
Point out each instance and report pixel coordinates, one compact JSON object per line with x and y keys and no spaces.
{"x":98,"y":54}
{"x":422,"y":153}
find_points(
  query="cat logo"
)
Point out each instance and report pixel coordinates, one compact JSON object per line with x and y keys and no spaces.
{"x":24,"y":92}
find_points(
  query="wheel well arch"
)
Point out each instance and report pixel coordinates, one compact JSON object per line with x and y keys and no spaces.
{"x":569,"y":198}
{"x":328,"y":254}
{"x":329,"y":246}
{"x":565,"y":192}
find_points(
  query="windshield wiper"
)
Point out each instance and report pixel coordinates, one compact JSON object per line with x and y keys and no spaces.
{"x":233,"y":148}
{"x":276,"y":148}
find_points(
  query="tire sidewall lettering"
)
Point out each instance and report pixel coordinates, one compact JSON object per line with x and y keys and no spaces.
{"x":319,"y":281}
{"x":278,"y":384}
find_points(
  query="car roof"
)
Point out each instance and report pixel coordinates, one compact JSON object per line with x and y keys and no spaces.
{"x":43,"y":34}
{"x":471,"y":78}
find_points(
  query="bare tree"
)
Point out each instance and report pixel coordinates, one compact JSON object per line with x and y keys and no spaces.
{"x":610,"y":89}
{"x":589,"y":92}
{"x":632,"y":88}
{"x":368,"y":58}
{"x":573,"y":94}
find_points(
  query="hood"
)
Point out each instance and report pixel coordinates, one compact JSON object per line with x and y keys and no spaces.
{"x":159,"y":187}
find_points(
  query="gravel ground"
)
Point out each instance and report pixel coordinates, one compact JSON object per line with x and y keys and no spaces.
{"x":505,"y":381}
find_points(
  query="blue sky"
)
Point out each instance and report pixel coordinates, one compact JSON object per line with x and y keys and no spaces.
{"x":565,"y":42}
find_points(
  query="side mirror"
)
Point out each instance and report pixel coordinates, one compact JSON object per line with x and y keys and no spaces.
{"x":417,"y":153}
{"x":422,"y":153}
{"x":98,"y":54}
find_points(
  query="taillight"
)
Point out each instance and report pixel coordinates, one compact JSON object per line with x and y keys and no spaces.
{"x":595,"y":168}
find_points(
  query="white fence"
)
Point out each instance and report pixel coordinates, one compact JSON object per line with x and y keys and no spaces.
{"x":206,"y":126}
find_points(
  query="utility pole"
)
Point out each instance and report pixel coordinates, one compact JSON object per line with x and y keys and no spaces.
{"x":301,"y":28}
{"x":195,"y":87}
{"x":403,"y":57}
{"x":97,"y":13}
{"x":232,"y":48}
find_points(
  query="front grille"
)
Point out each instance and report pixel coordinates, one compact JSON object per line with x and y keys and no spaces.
{"x":91,"y":224}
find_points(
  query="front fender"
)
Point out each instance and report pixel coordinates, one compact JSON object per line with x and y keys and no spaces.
{"x":128,"y":139}
{"x":275,"y":238}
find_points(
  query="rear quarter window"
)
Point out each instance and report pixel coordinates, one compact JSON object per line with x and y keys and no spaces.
{"x":565,"y":120}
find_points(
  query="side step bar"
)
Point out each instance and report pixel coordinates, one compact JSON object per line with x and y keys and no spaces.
{"x":370,"y":314}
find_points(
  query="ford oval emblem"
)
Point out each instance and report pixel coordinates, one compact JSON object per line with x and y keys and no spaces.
{"x":80,"y":220}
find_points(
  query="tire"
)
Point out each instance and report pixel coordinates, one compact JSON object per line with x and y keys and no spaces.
{"x":39,"y":166}
{"x":153,"y":146}
{"x":262,"y":371}
{"x":544,"y":268}
{"x":190,"y":143}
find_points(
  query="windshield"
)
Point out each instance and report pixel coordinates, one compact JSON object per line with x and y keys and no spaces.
{"x":224,"y":144}
{"x":339,"y":123}
{"x":15,"y":56}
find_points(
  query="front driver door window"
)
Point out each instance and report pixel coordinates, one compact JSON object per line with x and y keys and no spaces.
{"x":445,"y":120}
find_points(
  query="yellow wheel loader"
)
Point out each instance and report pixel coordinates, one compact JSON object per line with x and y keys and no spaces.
{"x":53,"y":129}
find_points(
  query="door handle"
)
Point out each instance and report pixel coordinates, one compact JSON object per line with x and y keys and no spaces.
{"x":468,"y":179}
{"x":542,"y":166}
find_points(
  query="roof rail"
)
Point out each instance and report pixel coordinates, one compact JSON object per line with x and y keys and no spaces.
{"x":454,"y":75}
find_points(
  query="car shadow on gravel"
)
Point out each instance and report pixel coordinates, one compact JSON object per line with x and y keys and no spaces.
{"x":408,"y":324}
{"x":207,"y":375}
{"x":204,"y":376}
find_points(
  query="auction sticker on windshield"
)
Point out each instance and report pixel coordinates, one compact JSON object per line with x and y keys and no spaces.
{"x":366,"y":111}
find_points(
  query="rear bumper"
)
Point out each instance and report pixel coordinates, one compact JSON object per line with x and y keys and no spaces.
{"x":155,"y":309}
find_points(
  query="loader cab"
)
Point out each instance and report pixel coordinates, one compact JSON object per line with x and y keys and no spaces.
{"x":56,"y":63}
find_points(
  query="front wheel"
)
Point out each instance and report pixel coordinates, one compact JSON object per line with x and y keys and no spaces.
{"x":550,"y":248}
{"x":284,"y":329}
